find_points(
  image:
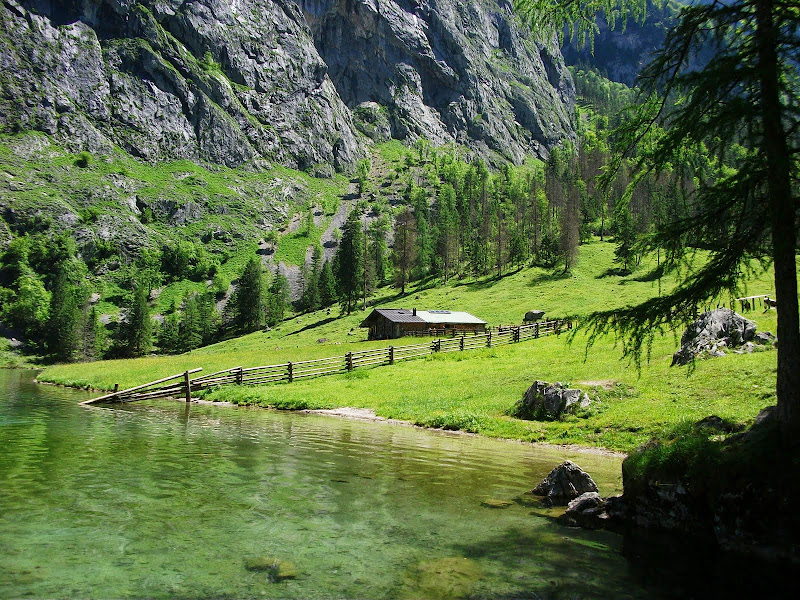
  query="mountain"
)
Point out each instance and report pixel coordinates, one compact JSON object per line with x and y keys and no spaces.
{"x":620,"y":53}
{"x":297,"y":83}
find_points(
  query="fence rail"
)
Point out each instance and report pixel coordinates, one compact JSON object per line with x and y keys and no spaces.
{"x":182,"y":384}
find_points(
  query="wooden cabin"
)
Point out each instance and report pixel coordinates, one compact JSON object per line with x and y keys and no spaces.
{"x":389,"y":323}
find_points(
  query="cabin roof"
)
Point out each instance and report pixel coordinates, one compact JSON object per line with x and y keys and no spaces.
{"x":406,"y":315}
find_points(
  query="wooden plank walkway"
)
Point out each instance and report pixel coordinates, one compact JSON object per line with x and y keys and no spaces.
{"x":181,"y":384}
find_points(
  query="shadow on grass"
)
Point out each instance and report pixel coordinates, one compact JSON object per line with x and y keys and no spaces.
{"x":652,"y":275}
{"x":313,"y":325}
{"x":550,"y":277}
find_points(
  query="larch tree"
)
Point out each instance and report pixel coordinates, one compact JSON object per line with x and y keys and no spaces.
{"x":404,"y":252}
{"x":746,"y":94}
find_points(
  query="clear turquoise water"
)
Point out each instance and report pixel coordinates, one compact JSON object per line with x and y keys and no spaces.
{"x":161,"y":501}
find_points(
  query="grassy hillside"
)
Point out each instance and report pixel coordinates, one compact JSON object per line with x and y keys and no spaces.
{"x":475,"y":390}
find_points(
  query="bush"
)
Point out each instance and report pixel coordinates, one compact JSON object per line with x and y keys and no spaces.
{"x":84,"y":160}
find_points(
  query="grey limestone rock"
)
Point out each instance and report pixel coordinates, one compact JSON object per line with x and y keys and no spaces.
{"x":587,"y":510}
{"x":222,"y":82}
{"x":713,"y":331}
{"x":548,"y":401}
{"x":533,"y":315}
{"x":565,"y":483}
{"x":298,"y":82}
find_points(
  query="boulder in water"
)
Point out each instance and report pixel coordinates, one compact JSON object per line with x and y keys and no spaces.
{"x":564,"y":483}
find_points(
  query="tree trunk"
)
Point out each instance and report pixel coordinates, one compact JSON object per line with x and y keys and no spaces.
{"x":782,"y":217}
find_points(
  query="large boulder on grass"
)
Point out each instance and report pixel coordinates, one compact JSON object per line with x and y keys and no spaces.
{"x":713,"y":332}
{"x":565,"y":483}
{"x":549,"y":401}
{"x":533,"y":315}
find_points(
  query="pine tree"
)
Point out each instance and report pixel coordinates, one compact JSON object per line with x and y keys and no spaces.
{"x":327,"y":286}
{"x":65,"y":324}
{"x":248,"y":300}
{"x":350,"y":262}
{"x":404,"y":252}
{"x":137,"y":331}
{"x":169,"y":333}
{"x":625,"y":236}
{"x":748,"y":94}
{"x":191,"y":329}
{"x":310,"y":299}
{"x":278,"y":299}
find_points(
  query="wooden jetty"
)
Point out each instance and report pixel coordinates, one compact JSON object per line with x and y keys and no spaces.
{"x":182,"y":385}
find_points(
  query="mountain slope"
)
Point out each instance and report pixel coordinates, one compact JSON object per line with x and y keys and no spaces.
{"x":236,"y":82}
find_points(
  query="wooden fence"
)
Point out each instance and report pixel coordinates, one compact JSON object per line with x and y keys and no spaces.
{"x":182,"y":385}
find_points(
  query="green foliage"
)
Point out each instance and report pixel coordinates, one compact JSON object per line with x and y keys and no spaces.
{"x":327,"y":286}
{"x":350,"y":261}
{"x":135,"y":334}
{"x":278,"y":299}
{"x":84,"y":160}
{"x":248,"y":300}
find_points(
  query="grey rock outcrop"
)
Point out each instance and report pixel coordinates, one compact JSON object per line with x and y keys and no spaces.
{"x":549,"y":401}
{"x":247,"y":81}
{"x":450,"y":71}
{"x":222,"y":82}
{"x":714,"y":331}
{"x":565,"y":483}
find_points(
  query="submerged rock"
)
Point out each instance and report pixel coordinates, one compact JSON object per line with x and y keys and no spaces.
{"x":495,"y":503}
{"x":276,"y":569}
{"x":564,"y":483}
{"x":451,"y":577}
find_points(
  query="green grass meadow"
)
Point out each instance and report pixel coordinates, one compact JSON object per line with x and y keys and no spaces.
{"x":475,"y":390}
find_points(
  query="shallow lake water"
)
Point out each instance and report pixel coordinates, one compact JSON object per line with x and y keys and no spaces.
{"x":162,"y":500}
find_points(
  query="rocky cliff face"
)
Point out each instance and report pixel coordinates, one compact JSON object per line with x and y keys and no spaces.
{"x":450,"y":71}
{"x":237,"y":81}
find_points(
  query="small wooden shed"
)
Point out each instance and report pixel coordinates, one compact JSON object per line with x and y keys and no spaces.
{"x":390,"y":323}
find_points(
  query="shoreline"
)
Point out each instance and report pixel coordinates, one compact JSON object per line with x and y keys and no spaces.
{"x":368,"y":415}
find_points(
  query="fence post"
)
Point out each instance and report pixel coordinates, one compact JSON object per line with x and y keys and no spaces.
{"x":569,"y":324}
{"x":391,"y":355}
{"x":516,"y":334}
{"x":239,"y":376}
{"x":437,"y":345}
{"x":558,"y":327}
{"x":348,"y":361}
{"x":536,"y":331}
{"x":461,"y":343}
{"x":290,"y":371}
{"x":116,"y":388}
{"x":188,"y":386}
{"x":489,"y":339}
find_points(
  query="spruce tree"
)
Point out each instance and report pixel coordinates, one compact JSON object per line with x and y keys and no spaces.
{"x":278,"y":299}
{"x":169,"y":333}
{"x":327,"y":286}
{"x":65,"y":324}
{"x":350,"y":261}
{"x":137,"y":331}
{"x":249,"y":298}
{"x":191,"y":331}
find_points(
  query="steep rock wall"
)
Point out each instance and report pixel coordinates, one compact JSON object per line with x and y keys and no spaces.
{"x":241,"y":81}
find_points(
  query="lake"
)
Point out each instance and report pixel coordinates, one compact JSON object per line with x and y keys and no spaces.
{"x":161,"y":500}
